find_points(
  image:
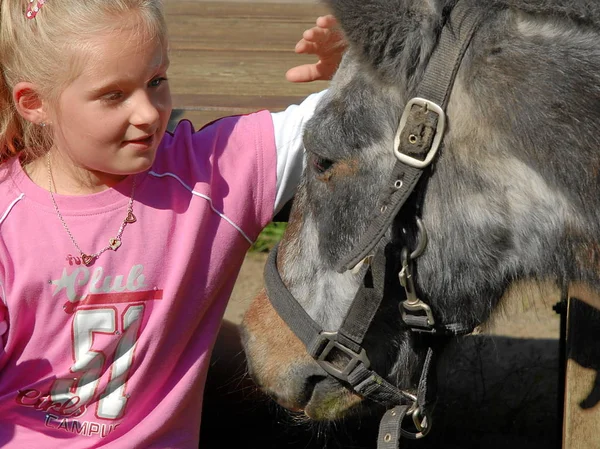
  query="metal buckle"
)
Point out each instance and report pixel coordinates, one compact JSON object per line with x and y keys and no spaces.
{"x":355,"y":358}
{"x":421,"y":421}
{"x":437,"y":140}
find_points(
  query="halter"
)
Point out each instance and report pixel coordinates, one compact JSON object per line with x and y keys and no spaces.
{"x":340,"y":354}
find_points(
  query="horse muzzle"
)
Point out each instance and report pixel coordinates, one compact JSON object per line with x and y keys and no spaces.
{"x":281,"y":367}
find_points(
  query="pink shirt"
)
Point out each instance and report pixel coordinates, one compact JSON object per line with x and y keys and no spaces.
{"x":116,"y":354}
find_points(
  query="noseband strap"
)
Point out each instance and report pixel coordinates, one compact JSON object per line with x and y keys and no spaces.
{"x":340,"y":353}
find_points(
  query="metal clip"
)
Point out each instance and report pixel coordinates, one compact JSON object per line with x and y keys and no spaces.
{"x":422,"y":242}
{"x":405,"y":277}
{"x":412,"y":305}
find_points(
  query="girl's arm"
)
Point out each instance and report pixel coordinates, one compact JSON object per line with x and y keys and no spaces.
{"x":288,"y":126}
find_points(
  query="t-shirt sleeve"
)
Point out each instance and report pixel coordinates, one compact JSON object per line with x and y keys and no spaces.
{"x":230,"y":163}
{"x":288,"y":127}
{"x":247,"y":166}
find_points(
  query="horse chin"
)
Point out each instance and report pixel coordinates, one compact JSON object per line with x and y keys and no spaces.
{"x":326,"y":404}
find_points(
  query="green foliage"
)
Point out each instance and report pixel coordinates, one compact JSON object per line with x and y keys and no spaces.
{"x":269,"y":237}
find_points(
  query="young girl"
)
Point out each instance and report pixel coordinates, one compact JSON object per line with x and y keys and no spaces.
{"x":120,"y":243}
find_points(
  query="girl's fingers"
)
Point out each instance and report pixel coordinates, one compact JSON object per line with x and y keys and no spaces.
{"x":325,"y":41}
{"x":311,"y":72}
{"x":305,"y":47}
{"x":323,"y":30}
{"x":301,"y":74}
{"x":316,"y":34}
{"x":327,"y":21}
{"x":320,"y":42}
{"x":298,"y":74}
{"x":333,"y":49}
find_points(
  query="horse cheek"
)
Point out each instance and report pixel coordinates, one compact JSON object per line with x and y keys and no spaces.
{"x":271,"y":347}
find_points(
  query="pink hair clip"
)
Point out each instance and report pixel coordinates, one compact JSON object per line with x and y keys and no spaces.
{"x":33,"y":10}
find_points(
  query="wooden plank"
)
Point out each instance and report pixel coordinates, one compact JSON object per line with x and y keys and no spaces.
{"x":239,"y":103}
{"x":231,"y":57}
{"x":236,"y":73}
{"x":219,"y":34}
{"x":280,"y":11}
{"x":582,"y":381}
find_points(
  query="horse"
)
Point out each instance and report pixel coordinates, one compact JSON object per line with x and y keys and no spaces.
{"x":498,"y":184}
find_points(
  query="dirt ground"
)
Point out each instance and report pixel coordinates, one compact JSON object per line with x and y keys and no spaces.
{"x":497,"y":389}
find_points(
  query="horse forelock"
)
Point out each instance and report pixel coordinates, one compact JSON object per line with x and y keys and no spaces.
{"x":356,"y":114}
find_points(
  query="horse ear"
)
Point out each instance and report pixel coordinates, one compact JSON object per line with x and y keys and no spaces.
{"x":390,"y":35}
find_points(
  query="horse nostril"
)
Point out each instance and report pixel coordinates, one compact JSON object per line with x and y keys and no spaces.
{"x":306,"y":392}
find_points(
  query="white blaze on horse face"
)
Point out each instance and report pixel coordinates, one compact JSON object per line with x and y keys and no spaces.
{"x":324,"y":293}
{"x":528,"y":203}
{"x":535,"y":212}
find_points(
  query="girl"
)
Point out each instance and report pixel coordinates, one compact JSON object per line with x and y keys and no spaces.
{"x":120,"y":243}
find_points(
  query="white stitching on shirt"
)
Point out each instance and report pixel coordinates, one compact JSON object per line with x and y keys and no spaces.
{"x":3,"y":293}
{"x":207,"y":198}
{"x":10,"y":206}
{"x":6,"y":212}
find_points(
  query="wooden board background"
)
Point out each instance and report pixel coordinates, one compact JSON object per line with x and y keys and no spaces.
{"x":230,"y":58}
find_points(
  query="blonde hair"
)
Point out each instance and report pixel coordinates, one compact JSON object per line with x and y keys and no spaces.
{"x":40,"y":51}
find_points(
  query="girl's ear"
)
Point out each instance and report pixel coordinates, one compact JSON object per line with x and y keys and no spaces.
{"x":29,"y":103}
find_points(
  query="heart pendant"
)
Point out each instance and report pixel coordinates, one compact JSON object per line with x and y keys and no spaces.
{"x":114,"y":243}
{"x":130,"y":218}
{"x":87,"y":260}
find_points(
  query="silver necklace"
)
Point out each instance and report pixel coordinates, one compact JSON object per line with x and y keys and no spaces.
{"x":114,"y":243}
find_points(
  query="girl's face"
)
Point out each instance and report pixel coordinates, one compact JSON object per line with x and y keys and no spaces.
{"x":110,"y":120}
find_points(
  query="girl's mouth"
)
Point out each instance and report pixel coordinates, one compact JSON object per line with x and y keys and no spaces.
{"x":144,"y":142}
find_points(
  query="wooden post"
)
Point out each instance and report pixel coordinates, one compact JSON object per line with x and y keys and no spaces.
{"x":581,"y":427}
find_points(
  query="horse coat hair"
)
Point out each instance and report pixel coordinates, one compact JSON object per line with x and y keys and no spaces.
{"x":514,"y":192}
{"x":511,"y":198}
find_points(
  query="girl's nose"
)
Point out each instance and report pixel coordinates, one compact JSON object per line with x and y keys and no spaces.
{"x":145,"y":112}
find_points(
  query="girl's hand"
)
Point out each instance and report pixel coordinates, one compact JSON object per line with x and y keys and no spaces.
{"x":326,"y":42}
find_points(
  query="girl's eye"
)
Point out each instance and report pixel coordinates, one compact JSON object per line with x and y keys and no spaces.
{"x":157,"y":81}
{"x":113,"y":96}
{"x":322,"y":165}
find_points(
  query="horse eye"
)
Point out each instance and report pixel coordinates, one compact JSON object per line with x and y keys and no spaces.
{"x":322,"y":164}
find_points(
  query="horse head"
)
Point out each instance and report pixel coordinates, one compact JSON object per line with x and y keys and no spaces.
{"x":510,"y":197}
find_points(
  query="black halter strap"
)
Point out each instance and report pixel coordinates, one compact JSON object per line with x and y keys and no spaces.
{"x":421,"y":128}
{"x":340,"y":353}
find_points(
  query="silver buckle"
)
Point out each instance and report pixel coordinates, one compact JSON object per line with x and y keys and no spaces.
{"x":437,"y":140}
